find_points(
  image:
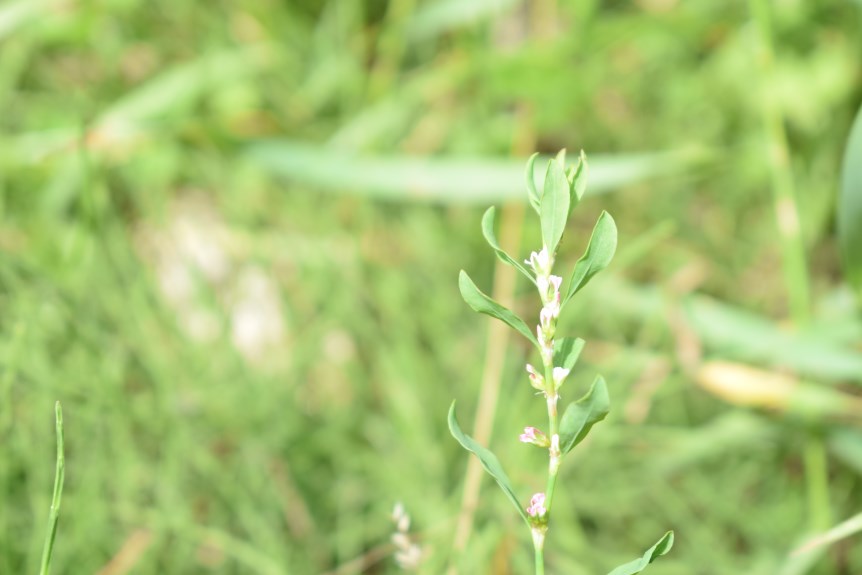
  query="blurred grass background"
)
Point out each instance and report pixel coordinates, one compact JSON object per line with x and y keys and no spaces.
{"x":230,"y":239}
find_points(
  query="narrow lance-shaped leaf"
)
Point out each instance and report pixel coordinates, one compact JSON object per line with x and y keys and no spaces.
{"x":661,"y":548}
{"x":578,"y":180}
{"x":850,"y":208}
{"x":569,"y":349}
{"x":600,"y":252}
{"x":554,"y":208}
{"x":581,"y":415}
{"x":534,"y":196}
{"x":484,"y":304}
{"x":491,"y":238}
{"x":489,"y":461}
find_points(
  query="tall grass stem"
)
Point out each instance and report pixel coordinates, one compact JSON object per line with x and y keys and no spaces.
{"x":793,"y":250}
{"x":54,"y":514}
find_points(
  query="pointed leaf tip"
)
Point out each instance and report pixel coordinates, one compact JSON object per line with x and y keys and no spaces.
{"x":554,"y":206}
{"x":580,"y":177}
{"x":599,"y":253}
{"x":660,"y":548}
{"x":488,"y":231}
{"x":532,"y":194}
{"x":482,"y":303}
{"x":488,"y":460}
{"x":581,"y":415}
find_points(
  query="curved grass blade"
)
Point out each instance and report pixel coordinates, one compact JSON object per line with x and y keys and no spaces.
{"x":581,"y":415}
{"x":850,"y":207}
{"x":443,"y":180}
{"x":59,"y":476}
{"x":484,"y":304}
{"x":841,"y":531}
{"x":600,"y":252}
{"x":491,"y":238}
{"x":661,"y":548}
{"x":488,"y":459}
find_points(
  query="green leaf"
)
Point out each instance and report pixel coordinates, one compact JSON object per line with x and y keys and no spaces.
{"x":488,"y":459}
{"x":600,"y":252}
{"x":850,"y":208}
{"x":569,"y":349}
{"x":488,"y":232}
{"x":446,"y":180}
{"x":533,"y":195}
{"x":578,"y":180}
{"x":661,"y":548}
{"x":484,"y":304}
{"x":581,"y":415}
{"x":554,"y":208}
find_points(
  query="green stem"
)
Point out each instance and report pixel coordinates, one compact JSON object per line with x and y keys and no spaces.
{"x":786,"y":209}
{"x":795,"y":267}
{"x":817,"y":483}
{"x":54,"y":515}
{"x":553,"y":461}
{"x":539,"y":546}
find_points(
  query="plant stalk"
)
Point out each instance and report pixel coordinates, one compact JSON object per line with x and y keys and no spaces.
{"x":796,"y":277}
{"x":54,"y":515}
{"x":553,"y":427}
{"x":539,"y":546}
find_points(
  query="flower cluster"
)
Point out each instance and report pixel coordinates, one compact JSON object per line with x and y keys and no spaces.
{"x":408,"y":554}
{"x":537,"y":506}
{"x":534,"y":436}
{"x":549,"y":290}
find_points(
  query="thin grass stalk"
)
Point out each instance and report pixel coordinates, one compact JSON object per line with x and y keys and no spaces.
{"x":783,"y":189}
{"x":54,"y":514}
{"x":793,"y":253}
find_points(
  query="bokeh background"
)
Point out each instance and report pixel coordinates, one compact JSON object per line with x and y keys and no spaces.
{"x":230,"y":238}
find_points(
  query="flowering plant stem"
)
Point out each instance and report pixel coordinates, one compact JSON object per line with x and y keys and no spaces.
{"x":562,"y":190}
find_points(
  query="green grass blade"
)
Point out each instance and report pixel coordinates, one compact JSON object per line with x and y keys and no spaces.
{"x":841,"y":531}
{"x":850,"y":207}
{"x":184,"y":83}
{"x":448,"y":181}
{"x":54,"y":514}
{"x":739,"y":334}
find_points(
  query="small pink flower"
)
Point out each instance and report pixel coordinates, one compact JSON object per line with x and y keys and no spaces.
{"x":556,"y":282}
{"x":534,"y":436}
{"x":537,"y":505}
{"x":536,"y":379}
{"x":529,"y":435}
